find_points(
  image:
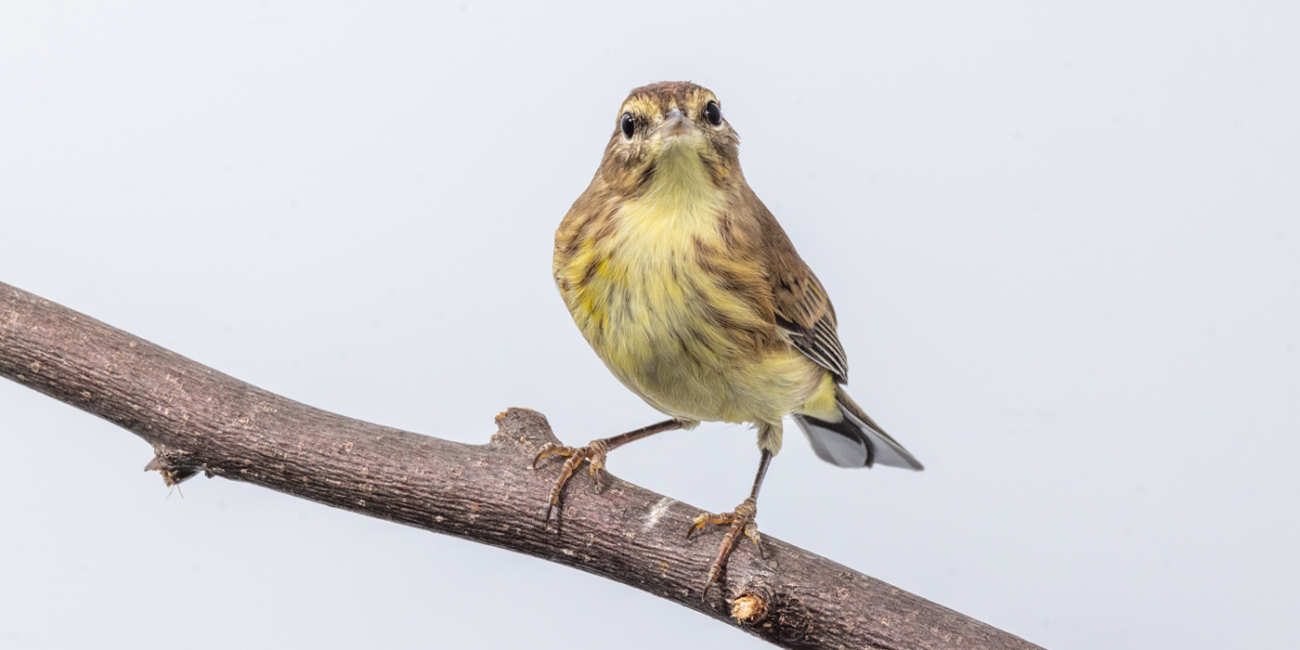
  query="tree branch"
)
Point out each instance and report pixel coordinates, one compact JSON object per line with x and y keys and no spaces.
{"x":200,"y":420}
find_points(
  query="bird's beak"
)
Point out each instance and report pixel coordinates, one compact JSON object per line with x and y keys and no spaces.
{"x":675,"y":124}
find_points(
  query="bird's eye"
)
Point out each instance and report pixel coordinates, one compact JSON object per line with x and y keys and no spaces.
{"x":713,"y":113}
{"x":628,"y":125}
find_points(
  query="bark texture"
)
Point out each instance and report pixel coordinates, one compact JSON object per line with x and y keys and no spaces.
{"x":199,"y":420}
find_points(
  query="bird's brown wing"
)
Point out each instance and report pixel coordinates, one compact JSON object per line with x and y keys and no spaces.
{"x":805,"y":316}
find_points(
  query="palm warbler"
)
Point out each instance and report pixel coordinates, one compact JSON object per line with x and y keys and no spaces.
{"x":693,"y":296}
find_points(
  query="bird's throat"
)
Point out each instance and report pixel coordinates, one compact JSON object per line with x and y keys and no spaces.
{"x":682,"y":182}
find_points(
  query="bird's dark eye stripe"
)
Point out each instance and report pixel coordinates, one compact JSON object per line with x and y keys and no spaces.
{"x":628,"y":125}
{"x":713,"y":113}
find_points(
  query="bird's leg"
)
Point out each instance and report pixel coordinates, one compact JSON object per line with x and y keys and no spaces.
{"x":740,"y":520}
{"x":594,"y":453}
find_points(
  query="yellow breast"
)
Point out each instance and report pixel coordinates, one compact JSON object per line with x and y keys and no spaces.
{"x":648,"y":298}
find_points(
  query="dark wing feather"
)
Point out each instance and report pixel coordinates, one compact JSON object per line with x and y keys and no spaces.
{"x":802,"y":311}
{"x":805,"y":315}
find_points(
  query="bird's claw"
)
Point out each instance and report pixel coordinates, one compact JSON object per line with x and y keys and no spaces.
{"x":739,"y":521}
{"x":594,"y":453}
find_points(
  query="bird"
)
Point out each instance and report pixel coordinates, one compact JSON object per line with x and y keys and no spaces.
{"x":694,"y":297}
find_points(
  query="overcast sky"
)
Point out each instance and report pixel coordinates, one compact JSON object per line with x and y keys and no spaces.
{"x":1063,"y":240}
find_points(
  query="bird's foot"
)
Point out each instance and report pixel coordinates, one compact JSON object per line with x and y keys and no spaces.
{"x":594,"y":453}
{"x":740,"y":520}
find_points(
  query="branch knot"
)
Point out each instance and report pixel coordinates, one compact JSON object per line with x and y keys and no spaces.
{"x":172,"y":465}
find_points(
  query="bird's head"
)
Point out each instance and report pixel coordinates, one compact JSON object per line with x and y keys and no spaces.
{"x":670,"y":136}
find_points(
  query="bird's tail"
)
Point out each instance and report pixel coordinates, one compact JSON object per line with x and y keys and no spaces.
{"x":854,"y":441}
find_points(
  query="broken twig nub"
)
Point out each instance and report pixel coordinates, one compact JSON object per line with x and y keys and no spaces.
{"x":749,"y":609}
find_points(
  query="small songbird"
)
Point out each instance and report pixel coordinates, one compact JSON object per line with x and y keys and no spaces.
{"x":693,"y":296}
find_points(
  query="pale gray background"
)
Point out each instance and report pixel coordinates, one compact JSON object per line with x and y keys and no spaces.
{"x":1064,"y":244}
